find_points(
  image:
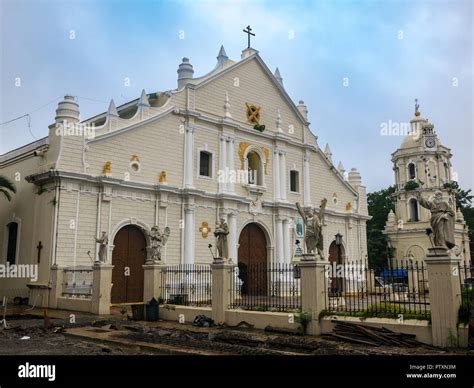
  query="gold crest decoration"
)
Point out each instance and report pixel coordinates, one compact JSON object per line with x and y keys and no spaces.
{"x":107,"y":168}
{"x":204,"y":229}
{"x":162,"y":178}
{"x":253,"y":114}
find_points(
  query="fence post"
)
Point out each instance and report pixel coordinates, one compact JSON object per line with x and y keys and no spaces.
{"x":220,"y":289}
{"x":445,"y":296}
{"x":101,"y":288}
{"x":57,"y":279}
{"x":153,"y":276}
{"x":313,"y":293}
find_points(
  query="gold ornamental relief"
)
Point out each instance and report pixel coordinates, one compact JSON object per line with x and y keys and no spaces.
{"x":243,"y":147}
{"x":253,"y":113}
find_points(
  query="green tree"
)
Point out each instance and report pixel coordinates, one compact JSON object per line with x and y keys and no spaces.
{"x":7,"y":187}
{"x":463,"y":197}
{"x":379,"y":203}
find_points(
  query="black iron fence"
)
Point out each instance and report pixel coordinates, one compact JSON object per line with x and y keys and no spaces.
{"x":265,"y":287}
{"x":398,"y":291}
{"x":187,"y":284}
{"x":466,"y":279}
{"x":77,"y":282}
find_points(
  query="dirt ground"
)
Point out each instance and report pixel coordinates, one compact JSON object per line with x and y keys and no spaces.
{"x":116,"y":335}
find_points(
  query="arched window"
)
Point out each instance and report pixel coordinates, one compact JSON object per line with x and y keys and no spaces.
{"x":446,"y":172}
{"x":411,"y":171}
{"x":413,"y":210}
{"x":255,"y":168}
{"x":12,"y":238}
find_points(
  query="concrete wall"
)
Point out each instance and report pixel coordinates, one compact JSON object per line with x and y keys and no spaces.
{"x":73,"y":304}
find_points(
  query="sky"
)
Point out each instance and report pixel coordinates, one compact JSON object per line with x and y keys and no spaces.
{"x":358,"y":65}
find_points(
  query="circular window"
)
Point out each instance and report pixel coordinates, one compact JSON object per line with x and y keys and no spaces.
{"x":135,"y":166}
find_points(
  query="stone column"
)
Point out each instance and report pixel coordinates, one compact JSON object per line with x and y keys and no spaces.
{"x":223,"y":164}
{"x":276,"y":175}
{"x":233,"y":237}
{"x":306,"y":182}
{"x":445,"y":296}
{"x":153,"y":280}
{"x":283,"y":173}
{"x":101,"y":288}
{"x":280,"y":254}
{"x":230,"y":162}
{"x":313,"y":290}
{"x":221,"y":275}
{"x":286,"y":241}
{"x":189,"y":235}
{"x":57,"y":279}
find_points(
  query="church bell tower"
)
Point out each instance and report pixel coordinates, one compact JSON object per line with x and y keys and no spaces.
{"x":421,"y":165}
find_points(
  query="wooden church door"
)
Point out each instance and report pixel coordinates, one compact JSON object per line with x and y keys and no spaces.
{"x":128,"y":258}
{"x":252,"y":260}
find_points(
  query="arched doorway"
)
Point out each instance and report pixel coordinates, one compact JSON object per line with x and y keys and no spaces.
{"x":128,"y":257}
{"x":413,"y":210}
{"x":252,"y":260}
{"x":336,"y":258}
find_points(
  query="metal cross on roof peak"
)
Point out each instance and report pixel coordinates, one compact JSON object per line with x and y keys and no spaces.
{"x":248,"y":32}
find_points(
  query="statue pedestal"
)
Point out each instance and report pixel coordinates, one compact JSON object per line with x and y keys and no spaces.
{"x":101,"y":288}
{"x":219,"y":260}
{"x":445,"y":295}
{"x":310,"y":257}
{"x":154,"y":277}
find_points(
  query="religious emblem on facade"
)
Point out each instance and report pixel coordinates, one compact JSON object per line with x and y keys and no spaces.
{"x":205,"y":229}
{"x":255,"y":206}
{"x":253,"y":116}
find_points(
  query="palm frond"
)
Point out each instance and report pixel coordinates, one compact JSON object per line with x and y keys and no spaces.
{"x":7,"y":184}
{"x":6,"y":194}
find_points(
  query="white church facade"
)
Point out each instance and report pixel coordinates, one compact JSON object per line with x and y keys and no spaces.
{"x":179,"y":158}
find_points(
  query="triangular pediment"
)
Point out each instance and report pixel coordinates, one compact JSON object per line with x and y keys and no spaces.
{"x":249,"y":82}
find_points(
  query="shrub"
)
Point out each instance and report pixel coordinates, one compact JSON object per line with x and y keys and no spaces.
{"x":382,"y":310}
{"x":466,"y":297}
{"x":303,"y":319}
{"x":411,"y":185}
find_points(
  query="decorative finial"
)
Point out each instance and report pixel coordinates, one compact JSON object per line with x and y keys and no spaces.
{"x":340,"y":168}
{"x":278,"y":122}
{"x":112,"y":111}
{"x":417,"y":106}
{"x":222,"y":57}
{"x":327,"y":152}
{"x":278,"y":76}
{"x":143,"y":101}
{"x":227,"y":114}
